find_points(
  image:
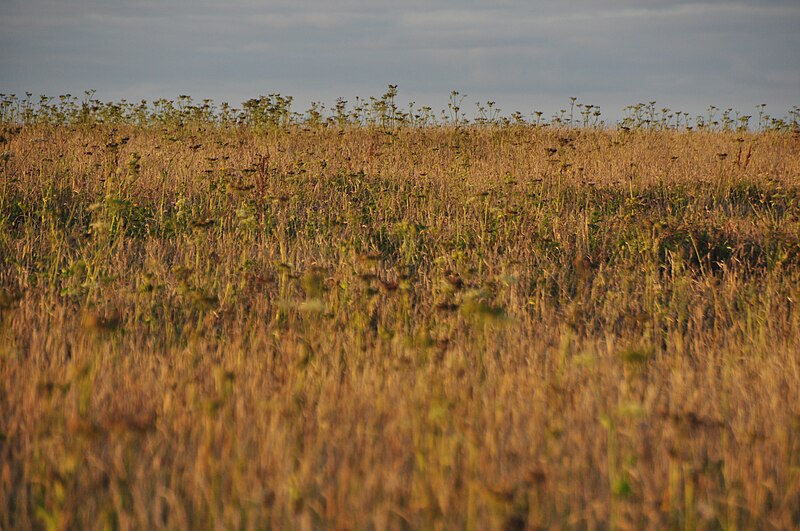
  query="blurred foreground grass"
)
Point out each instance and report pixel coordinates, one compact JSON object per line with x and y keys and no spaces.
{"x":368,"y":327}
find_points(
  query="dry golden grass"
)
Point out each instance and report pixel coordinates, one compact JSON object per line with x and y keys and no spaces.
{"x":474,"y":327}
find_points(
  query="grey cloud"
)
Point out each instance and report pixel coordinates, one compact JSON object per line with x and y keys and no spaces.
{"x":525,"y":55}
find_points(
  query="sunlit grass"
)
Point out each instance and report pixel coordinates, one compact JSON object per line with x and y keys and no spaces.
{"x":380,"y":320}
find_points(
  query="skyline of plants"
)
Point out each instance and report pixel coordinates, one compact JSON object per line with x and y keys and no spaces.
{"x":384,"y":111}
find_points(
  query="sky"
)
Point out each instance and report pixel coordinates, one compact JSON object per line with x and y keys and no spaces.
{"x":523,"y":55}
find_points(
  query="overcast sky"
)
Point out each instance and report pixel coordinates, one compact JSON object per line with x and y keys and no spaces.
{"x":525,"y":55}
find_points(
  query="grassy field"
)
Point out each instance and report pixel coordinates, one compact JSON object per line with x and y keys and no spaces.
{"x":287,"y":325}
